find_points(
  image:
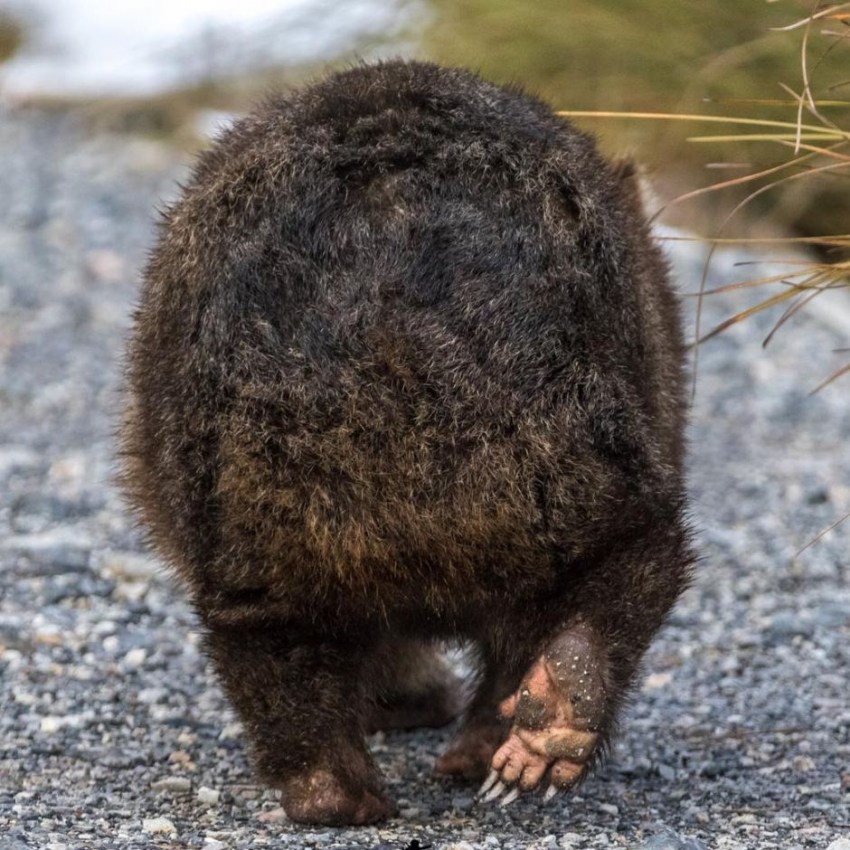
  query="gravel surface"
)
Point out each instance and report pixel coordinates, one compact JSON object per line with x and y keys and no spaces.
{"x":113,"y":732}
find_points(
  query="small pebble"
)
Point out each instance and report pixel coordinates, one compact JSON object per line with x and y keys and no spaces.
{"x":208,"y":796}
{"x":51,"y":724}
{"x":277,"y":815}
{"x":657,"y":680}
{"x":231,"y":732}
{"x":135,"y":658}
{"x":158,"y":826}
{"x":667,"y":839}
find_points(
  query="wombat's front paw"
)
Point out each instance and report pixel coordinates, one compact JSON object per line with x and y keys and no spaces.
{"x":321,"y":798}
{"x":557,"y":713}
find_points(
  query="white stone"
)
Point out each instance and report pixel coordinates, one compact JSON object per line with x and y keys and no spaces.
{"x":60,"y":536}
{"x":840,"y":844}
{"x":129,"y":566}
{"x":277,"y":815}
{"x":231,"y":732}
{"x":158,"y":826}
{"x":209,"y":796}
{"x":657,"y":680}
{"x":72,"y":467}
{"x":149,"y":696}
{"x":135,"y":658}
{"x":176,"y":784}
{"x":52,"y":723}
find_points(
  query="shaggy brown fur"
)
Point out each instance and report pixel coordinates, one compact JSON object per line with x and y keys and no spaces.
{"x":407,"y":367}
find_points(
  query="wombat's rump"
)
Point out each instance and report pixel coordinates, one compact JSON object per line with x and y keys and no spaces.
{"x":407,"y":367}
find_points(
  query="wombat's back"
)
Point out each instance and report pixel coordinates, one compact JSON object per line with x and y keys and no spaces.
{"x":405,"y":337}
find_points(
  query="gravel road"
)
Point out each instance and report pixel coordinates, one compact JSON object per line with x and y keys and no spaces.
{"x":113,"y":732}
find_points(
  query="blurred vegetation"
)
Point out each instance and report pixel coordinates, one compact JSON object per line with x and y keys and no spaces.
{"x":621,"y":55}
{"x":658,"y":56}
{"x":11,"y":36}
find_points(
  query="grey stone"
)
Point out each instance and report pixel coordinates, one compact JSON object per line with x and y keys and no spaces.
{"x":666,"y":839}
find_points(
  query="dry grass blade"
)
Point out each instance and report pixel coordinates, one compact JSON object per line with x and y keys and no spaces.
{"x":673,"y":116}
{"x":775,"y":101}
{"x":783,"y":278}
{"x":735,"y":181}
{"x":821,"y":534}
{"x":778,"y":298}
{"x":818,"y":150}
{"x":829,"y":153}
{"x":832,"y":12}
{"x":792,"y":310}
{"x":709,"y":257}
{"x":838,"y":240}
{"x":806,"y":96}
{"x":823,"y":136}
{"x":843,"y":370}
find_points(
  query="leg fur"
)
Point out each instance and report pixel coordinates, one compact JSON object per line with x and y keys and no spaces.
{"x":484,"y":728}
{"x":299,"y":698}
{"x":409,"y":685}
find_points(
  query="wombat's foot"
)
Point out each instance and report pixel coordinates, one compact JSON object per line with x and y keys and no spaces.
{"x":321,"y":798}
{"x":416,"y":687}
{"x":471,"y":752}
{"x":557,"y":713}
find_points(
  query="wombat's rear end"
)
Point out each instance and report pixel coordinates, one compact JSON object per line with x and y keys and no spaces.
{"x":406,"y":366}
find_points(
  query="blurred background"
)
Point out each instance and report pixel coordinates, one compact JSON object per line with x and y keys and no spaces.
{"x":179,"y":69}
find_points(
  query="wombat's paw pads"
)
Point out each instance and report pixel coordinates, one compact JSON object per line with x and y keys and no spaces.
{"x":470,"y":753}
{"x":556,"y":714}
{"x":321,"y":798}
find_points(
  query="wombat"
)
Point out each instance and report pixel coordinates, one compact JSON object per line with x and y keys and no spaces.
{"x":407,"y":368}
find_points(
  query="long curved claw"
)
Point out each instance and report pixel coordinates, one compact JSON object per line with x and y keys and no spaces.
{"x":488,"y":783}
{"x":496,"y":791}
{"x":509,"y":798}
{"x":551,"y":791}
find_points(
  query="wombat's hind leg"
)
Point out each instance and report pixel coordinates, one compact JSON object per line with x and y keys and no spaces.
{"x":565,"y":708}
{"x":411,"y":685}
{"x":484,"y":728}
{"x":557,"y":714}
{"x":298,"y":695}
